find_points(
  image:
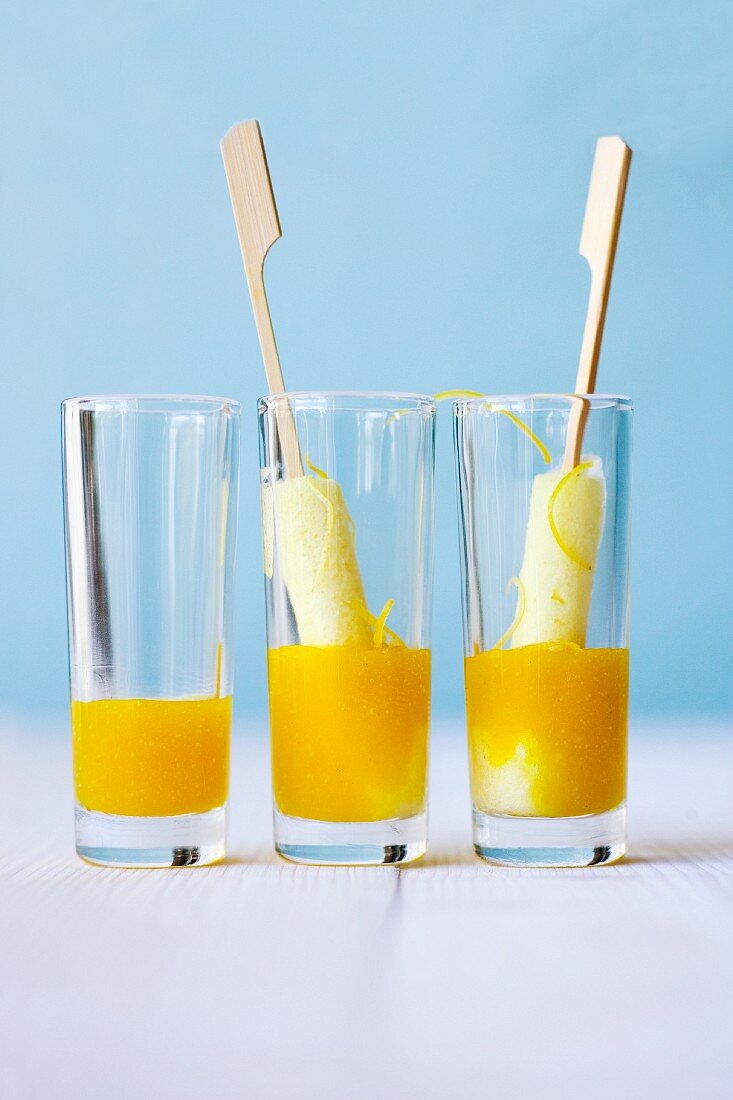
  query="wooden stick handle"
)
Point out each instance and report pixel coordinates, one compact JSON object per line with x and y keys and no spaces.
{"x":598,"y":241}
{"x":258,"y":227}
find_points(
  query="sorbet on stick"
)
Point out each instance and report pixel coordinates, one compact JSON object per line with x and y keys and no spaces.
{"x":564,"y":531}
{"x":567,"y":505}
{"x":554,"y":589}
{"x":317,"y":555}
{"x":349,"y":699}
{"x":307,"y":516}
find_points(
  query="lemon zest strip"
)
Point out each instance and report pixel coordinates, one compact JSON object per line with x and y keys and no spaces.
{"x":528,"y":432}
{"x":446,"y":395}
{"x":395,"y":637}
{"x":519,"y":614}
{"x":316,"y":469}
{"x":378,"y":623}
{"x":381,"y":622}
{"x":575,"y":472}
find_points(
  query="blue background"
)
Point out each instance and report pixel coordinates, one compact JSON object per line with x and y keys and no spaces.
{"x":430,"y":163}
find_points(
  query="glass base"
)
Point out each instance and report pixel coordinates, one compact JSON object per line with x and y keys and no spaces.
{"x":550,"y":841}
{"x":355,"y":843}
{"x":187,"y":840}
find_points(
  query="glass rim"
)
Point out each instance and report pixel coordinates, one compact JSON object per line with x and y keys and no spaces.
{"x":388,"y":399}
{"x":182,"y":403}
{"x":596,"y":400}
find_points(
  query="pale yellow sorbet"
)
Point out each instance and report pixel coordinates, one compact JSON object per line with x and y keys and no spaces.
{"x":557,"y":574}
{"x":315,"y":546}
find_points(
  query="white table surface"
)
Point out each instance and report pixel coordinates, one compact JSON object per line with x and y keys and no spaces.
{"x":262,"y":979}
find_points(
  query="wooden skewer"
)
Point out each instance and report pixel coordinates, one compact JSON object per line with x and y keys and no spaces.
{"x":598,"y":240}
{"x":258,"y":227}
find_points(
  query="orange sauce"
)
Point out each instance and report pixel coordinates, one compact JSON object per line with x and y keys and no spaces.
{"x":547,"y":729}
{"x":349,"y":728}
{"x":151,"y":757}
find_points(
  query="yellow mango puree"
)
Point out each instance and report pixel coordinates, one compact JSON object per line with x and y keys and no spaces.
{"x":547,"y":729}
{"x":349,"y":726}
{"x":151,"y":757}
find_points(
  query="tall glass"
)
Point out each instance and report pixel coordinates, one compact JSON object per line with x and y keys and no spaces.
{"x":150,"y":493}
{"x":348,"y":540}
{"x":545,"y":566}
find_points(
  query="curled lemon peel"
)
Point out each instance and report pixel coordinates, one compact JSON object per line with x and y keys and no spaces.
{"x":394,"y":637}
{"x":527,"y":431}
{"x":446,"y":395}
{"x":519,"y":614}
{"x":378,"y":623}
{"x":316,"y":469}
{"x":575,"y":472}
{"x":381,"y":623}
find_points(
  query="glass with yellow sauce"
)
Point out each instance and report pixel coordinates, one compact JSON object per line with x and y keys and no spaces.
{"x":545,"y":581}
{"x":150,"y":496}
{"x":347,"y":540}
